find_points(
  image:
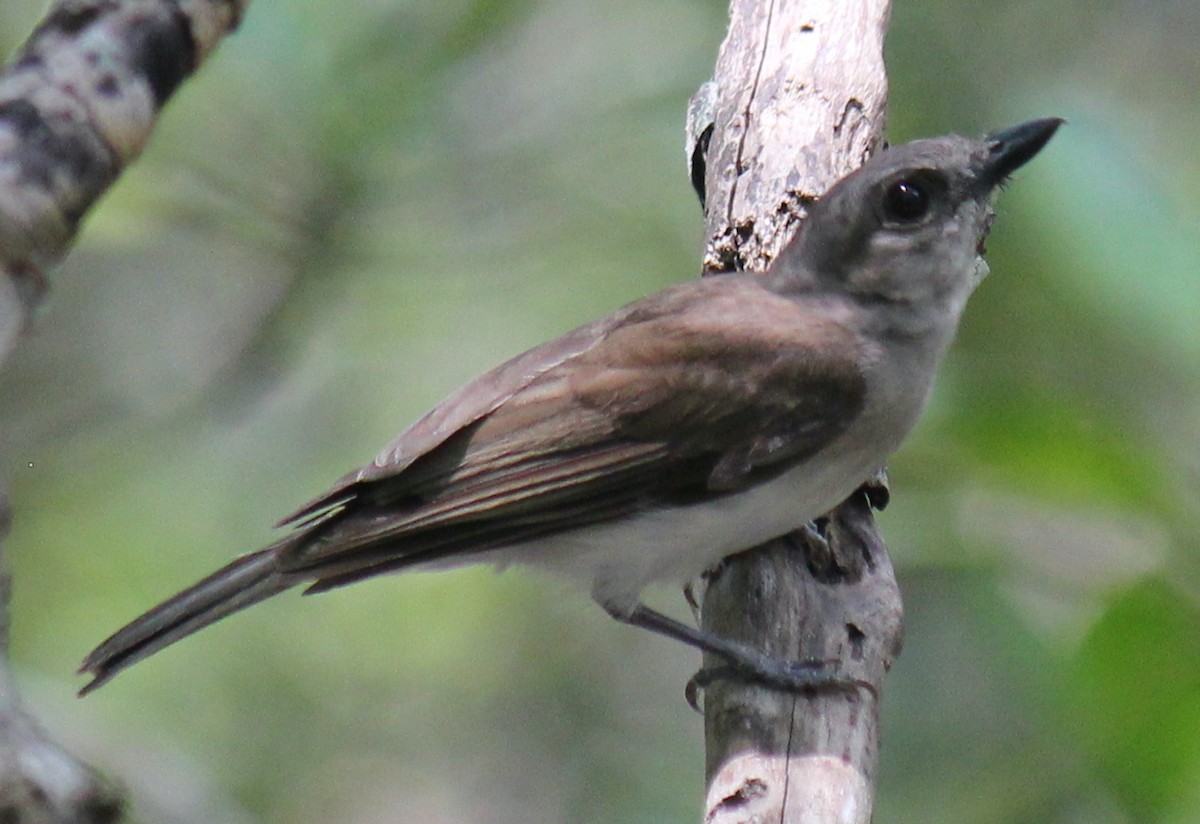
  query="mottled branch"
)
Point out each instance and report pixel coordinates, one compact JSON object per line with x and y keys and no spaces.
{"x":78,"y":103}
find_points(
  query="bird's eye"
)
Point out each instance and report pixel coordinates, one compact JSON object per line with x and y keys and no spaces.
{"x":906,"y":201}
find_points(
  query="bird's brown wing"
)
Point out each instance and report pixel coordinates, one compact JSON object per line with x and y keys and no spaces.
{"x":457,"y":413}
{"x":682,"y":397}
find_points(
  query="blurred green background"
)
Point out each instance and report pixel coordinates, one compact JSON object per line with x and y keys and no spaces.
{"x":356,"y":207}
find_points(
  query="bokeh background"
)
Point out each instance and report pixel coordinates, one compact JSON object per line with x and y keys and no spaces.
{"x":357,"y":206}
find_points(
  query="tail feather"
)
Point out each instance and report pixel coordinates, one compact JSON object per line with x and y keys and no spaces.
{"x":246,"y":581}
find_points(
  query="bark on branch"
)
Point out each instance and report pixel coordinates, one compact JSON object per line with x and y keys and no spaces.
{"x":77,"y":104}
{"x":797,"y":101}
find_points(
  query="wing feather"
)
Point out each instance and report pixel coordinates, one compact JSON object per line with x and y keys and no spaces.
{"x":678,"y":399}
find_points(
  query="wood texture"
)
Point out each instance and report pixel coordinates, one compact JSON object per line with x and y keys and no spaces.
{"x":798,"y":99}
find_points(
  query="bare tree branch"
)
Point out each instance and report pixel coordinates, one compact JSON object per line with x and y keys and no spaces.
{"x":77,"y":105}
{"x":797,"y":101}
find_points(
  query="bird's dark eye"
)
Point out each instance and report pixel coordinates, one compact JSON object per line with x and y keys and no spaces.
{"x":906,"y":201}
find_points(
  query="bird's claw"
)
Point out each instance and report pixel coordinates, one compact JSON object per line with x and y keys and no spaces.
{"x":808,"y":677}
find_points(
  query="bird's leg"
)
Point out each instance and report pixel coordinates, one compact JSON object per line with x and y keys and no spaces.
{"x":743,"y":662}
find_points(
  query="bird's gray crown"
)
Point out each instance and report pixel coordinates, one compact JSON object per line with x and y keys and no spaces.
{"x":908,"y":227}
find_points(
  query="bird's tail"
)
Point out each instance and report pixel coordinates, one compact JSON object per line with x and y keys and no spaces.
{"x":246,"y":581}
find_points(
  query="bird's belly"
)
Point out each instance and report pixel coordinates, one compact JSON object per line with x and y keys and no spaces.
{"x":675,"y":544}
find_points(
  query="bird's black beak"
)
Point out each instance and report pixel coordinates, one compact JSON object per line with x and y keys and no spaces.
{"x":1010,"y":149}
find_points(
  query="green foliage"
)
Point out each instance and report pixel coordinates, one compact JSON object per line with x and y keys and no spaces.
{"x":1137,"y":680}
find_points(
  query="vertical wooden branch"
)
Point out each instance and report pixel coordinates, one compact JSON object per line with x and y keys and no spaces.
{"x":77,"y":105}
{"x":797,"y":101}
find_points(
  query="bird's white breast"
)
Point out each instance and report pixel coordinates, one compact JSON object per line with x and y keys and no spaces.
{"x":619,"y":558}
{"x":675,"y":544}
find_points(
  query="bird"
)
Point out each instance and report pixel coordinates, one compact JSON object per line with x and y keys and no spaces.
{"x":687,"y":426}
